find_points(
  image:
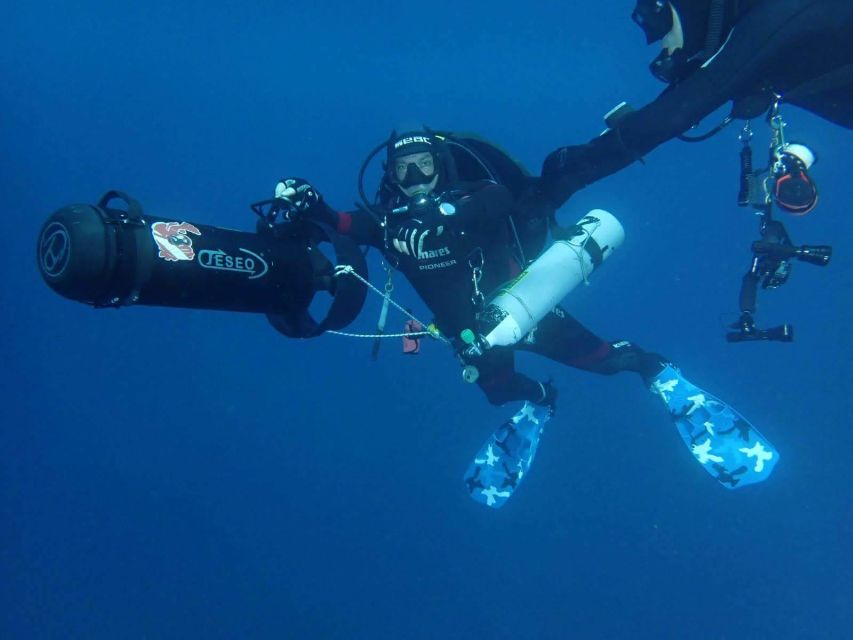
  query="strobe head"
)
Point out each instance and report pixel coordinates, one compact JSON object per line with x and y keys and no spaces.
{"x":819,"y":254}
{"x":782,"y":333}
{"x":744,"y":330}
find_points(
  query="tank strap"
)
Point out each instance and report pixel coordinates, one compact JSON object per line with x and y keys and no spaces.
{"x":589,"y":244}
{"x":596,"y":255}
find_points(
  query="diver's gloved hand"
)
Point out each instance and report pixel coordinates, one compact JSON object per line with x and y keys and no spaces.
{"x":409,"y":236}
{"x":297,"y":195}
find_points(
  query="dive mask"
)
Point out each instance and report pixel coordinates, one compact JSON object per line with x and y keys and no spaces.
{"x":417,"y":168}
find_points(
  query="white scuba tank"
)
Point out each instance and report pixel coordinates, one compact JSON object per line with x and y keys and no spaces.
{"x":521,"y":303}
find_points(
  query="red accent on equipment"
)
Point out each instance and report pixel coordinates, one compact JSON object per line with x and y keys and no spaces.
{"x":344,"y":222}
{"x":795,"y":209}
{"x":412,"y":345}
{"x":597,"y":354}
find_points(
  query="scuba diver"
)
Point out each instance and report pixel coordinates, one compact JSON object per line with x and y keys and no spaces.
{"x":450,"y":238}
{"x":451,"y":226}
{"x":454,"y":214}
{"x":753,"y":53}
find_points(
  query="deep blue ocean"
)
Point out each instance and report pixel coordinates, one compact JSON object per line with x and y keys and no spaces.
{"x":172,"y":473}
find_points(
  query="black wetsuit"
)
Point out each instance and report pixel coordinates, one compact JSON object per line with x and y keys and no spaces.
{"x":437,"y":254}
{"x":801,"y":49}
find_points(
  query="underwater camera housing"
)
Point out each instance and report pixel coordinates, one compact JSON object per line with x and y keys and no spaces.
{"x":784,"y":181}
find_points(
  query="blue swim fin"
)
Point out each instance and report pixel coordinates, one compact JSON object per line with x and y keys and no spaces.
{"x":722,"y":440}
{"x":505,"y":458}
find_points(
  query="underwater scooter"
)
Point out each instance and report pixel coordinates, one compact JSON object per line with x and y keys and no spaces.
{"x":108,"y":256}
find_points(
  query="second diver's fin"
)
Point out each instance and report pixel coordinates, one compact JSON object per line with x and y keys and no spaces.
{"x":505,"y":458}
{"x":722,"y":440}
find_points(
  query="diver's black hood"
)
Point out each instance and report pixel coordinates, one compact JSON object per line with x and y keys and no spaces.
{"x":695,"y":16}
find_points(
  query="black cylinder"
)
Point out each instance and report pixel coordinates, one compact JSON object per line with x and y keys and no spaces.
{"x":106,"y":257}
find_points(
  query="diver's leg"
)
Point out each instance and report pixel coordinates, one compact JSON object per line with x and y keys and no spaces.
{"x":561,"y":338}
{"x":498,"y":379}
{"x":727,"y":445}
{"x":505,"y":458}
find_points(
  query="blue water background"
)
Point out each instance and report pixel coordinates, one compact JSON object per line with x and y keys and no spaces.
{"x":167,"y":473}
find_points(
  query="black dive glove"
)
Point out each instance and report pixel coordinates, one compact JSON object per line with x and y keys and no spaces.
{"x":297,"y":197}
{"x":408,"y":237}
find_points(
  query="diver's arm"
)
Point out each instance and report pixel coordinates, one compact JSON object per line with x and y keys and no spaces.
{"x":359,"y":226}
{"x":483,"y":203}
{"x":304,"y":200}
{"x":758,"y":38}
